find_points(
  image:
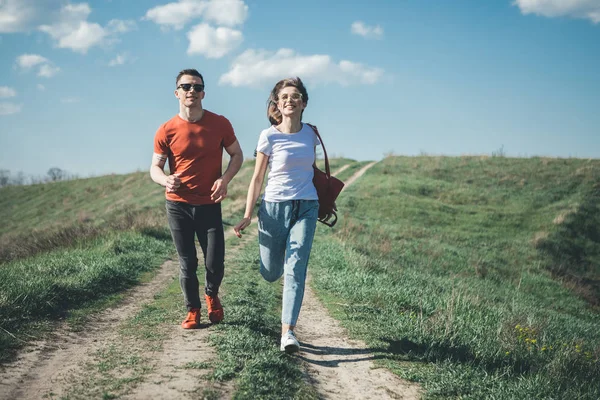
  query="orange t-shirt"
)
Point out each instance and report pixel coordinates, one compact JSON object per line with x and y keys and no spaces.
{"x":195,"y":152}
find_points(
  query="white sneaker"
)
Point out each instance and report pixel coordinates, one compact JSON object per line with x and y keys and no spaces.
{"x":289,"y":343}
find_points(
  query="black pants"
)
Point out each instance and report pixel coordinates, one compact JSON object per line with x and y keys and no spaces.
{"x":186,"y":222}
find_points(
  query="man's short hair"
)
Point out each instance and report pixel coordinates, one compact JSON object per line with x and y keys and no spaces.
{"x":192,"y":72}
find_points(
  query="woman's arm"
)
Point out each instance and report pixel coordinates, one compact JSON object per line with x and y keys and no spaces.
{"x":254,"y":189}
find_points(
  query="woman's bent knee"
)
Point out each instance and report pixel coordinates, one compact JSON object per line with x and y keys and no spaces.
{"x":269,"y":276}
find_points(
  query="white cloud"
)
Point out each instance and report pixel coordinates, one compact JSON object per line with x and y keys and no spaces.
{"x":25,"y":15}
{"x":260,"y":67}
{"x":66,"y":23}
{"x":226,"y":12}
{"x":120,"y":26}
{"x":41,"y":87}
{"x":178,"y":14}
{"x":80,"y":39}
{"x":359,"y":28}
{"x":70,"y":100}
{"x":5,"y":91}
{"x":213,"y":42}
{"x":120,"y":59}
{"x":48,"y":70}
{"x":175,"y":15}
{"x":72,"y":30}
{"x":587,"y":9}
{"x":9,"y":108}
{"x":27,"y":61}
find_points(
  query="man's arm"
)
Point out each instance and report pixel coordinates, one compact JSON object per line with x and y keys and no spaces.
{"x":157,"y":173}
{"x":235,"y":162}
{"x":219,"y":188}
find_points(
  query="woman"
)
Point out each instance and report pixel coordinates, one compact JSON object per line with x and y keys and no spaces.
{"x":287,"y":216}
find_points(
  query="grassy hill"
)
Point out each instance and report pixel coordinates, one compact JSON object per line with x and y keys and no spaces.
{"x":484,"y":270}
{"x":477,"y":276}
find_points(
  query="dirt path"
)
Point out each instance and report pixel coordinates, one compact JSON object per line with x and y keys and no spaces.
{"x":338,"y":367}
{"x":357,"y":175}
{"x":48,"y":366}
{"x":341,"y":368}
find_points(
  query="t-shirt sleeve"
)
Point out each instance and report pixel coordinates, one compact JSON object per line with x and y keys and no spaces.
{"x":264,"y":146}
{"x":160,"y":141}
{"x":228,"y":133}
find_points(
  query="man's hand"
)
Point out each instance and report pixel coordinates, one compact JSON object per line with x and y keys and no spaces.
{"x":172,"y":182}
{"x":243,"y":224}
{"x":219,"y":190}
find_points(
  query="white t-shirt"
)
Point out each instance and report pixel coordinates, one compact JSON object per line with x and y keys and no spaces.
{"x":291,"y":158}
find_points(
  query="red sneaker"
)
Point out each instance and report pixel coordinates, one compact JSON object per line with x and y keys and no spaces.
{"x":215,"y":309}
{"x":193,"y":319}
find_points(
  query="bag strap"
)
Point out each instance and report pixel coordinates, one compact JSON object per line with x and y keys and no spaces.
{"x":314,"y":128}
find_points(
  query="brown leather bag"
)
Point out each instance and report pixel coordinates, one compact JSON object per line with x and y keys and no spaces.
{"x":328,"y":188}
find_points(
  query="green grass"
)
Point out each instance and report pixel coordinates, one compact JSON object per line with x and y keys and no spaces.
{"x":247,"y":342}
{"x":43,"y":288}
{"x":65,"y":203}
{"x":40,"y":218}
{"x":443,"y":269}
{"x":351,"y":170}
{"x":477,"y":277}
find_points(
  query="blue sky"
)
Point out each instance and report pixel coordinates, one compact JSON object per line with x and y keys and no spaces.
{"x":84,"y":86}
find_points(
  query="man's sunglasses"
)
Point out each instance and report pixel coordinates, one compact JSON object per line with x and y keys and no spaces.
{"x":188,"y":86}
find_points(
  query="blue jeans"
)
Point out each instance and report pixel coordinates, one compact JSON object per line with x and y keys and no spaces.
{"x":285,"y":236}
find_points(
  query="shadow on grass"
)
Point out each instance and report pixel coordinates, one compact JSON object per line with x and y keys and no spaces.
{"x":573,"y":248}
{"x":439,"y":352}
{"x":350,"y":354}
{"x":157,"y":233}
{"x":410,"y":351}
{"x":260,"y":329}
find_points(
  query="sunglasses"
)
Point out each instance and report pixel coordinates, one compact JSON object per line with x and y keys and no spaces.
{"x":188,"y":86}
{"x":294,"y":96}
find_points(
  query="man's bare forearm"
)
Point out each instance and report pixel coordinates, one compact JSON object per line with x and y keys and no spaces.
{"x":158,"y":175}
{"x":235,"y":163}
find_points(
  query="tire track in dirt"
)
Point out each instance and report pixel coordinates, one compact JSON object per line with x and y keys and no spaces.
{"x":48,"y":365}
{"x":358,"y":174}
{"x":341,"y":368}
{"x":170,"y":378}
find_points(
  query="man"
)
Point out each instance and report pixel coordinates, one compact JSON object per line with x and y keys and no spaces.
{"x":193,"y":143}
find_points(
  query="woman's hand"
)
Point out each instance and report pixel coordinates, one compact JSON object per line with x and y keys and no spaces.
{"x":243,"y":224}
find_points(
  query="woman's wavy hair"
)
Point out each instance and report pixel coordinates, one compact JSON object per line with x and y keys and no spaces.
{"x":272,"y":111}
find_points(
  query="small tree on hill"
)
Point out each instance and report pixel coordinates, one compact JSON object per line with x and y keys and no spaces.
{"x":4,"y":177}
{"x":56,"y":174}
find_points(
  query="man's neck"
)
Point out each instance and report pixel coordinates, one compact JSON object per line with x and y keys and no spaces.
{"x":191,"y":114}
